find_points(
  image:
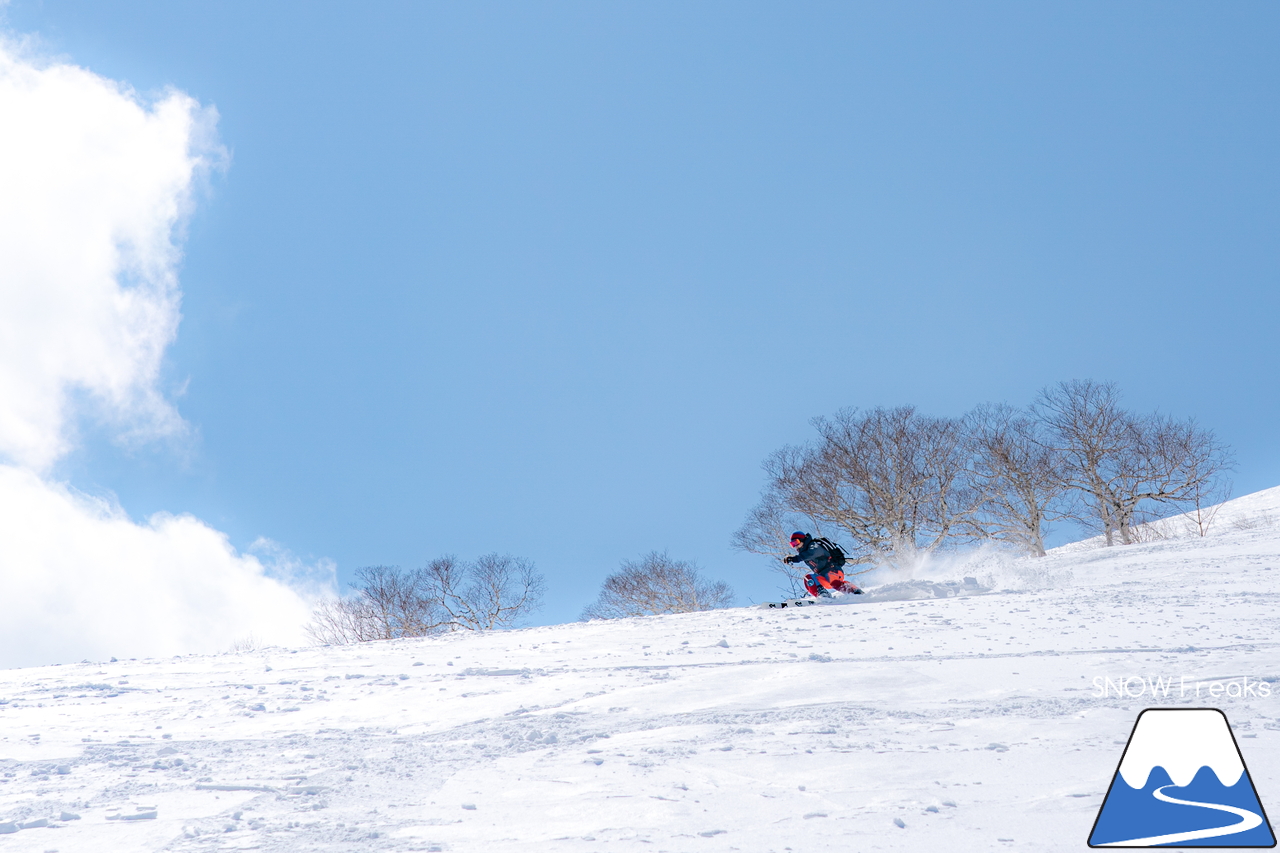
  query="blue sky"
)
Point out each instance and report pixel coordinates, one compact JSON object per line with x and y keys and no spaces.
{"x":553,"y":279}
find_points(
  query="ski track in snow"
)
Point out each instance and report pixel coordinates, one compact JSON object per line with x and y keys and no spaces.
{"x":968,"y":723}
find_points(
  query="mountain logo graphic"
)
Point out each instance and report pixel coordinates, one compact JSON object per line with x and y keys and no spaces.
{"x":1181,"y":783}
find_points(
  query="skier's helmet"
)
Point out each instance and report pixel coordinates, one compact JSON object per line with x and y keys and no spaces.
{"x":799,"y":538}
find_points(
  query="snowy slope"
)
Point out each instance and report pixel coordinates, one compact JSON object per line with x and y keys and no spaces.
{"x":970,"y":723}
{"x":1259,"y":510}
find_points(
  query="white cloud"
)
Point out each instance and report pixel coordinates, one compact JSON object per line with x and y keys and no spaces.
{"x":80,"y":579}
{"x":95,"y":185}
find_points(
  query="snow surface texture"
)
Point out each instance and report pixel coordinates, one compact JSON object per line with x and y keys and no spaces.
{"x":971,"y":722}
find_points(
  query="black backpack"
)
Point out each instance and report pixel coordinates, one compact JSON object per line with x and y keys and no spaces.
{"x":837,"y":554}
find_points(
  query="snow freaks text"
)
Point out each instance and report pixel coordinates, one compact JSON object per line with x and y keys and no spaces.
{"x":1133,"y":687}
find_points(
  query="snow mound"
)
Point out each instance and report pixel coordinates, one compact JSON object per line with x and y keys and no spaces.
{"x":921,"y":589}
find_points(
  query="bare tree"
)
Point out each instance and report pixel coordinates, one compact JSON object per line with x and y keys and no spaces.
{"x":385,"y":604}
{"x":495,"y":591}
{"x":1119,"y":462}
{"x":654,"y":585}
{"x":394,"y":604}
{"x":336,"y":622}
{"x":446,"y":595}
{"x":1086,"y":425}
{"x":1178,"y":464}
{"x":1206,"y":501}
{"x":894,"y":481}
{"x":1017,"y":474}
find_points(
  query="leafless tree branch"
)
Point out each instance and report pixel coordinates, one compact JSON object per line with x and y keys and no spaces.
{"x":386,"y":603}
{"x":1120,"y":463}
{"x":1017,"y":474}
{"x":657,"y":584}
{"x":891,"y":480}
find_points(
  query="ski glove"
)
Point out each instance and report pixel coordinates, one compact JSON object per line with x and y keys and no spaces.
{"x":788,"y":559}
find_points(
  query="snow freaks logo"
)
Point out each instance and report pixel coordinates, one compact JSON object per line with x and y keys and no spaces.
{"x":1158,"y":687}
{"x":1182,"y":782}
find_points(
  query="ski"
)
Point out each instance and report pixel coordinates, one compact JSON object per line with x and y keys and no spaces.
{"x":808,"y":600}
{"x":789,"y":602}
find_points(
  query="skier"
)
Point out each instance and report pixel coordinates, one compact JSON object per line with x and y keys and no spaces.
{"x":826,"y":559}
